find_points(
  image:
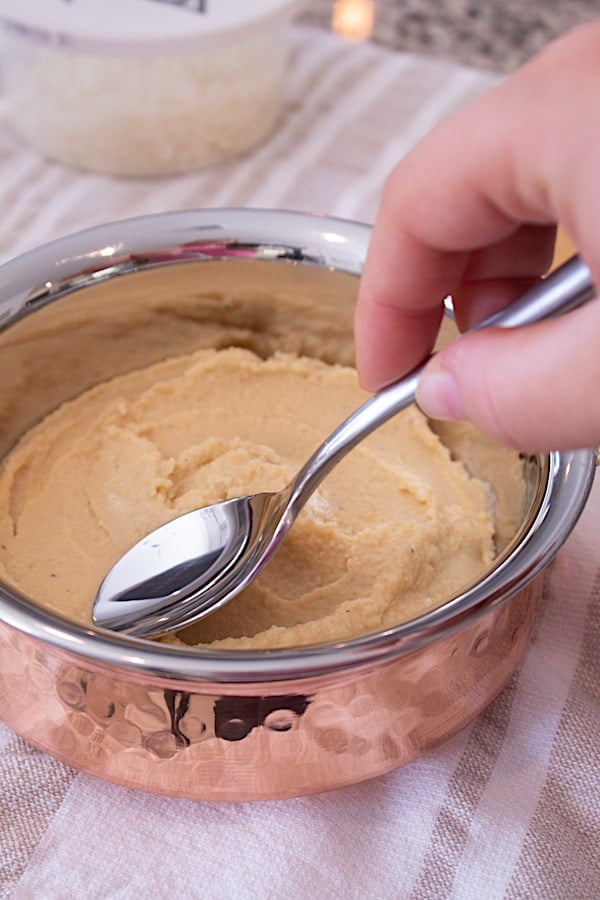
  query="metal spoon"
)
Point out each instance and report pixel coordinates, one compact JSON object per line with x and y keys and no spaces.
{"x":191,"y":566}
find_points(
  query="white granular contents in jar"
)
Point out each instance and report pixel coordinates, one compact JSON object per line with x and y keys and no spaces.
{"x":149,"y":115}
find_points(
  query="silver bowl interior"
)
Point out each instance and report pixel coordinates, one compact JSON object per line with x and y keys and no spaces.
{"x":155,"y":287}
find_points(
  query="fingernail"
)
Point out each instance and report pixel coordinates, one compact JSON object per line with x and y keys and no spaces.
{"x":437,"y":395}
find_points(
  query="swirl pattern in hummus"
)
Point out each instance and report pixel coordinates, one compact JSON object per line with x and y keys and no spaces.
{"x":398,"y":527}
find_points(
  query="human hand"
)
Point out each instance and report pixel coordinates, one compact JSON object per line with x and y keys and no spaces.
{"x":472,"y":211}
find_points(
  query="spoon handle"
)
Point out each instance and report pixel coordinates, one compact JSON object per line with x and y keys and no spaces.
{"x":565,"y":289}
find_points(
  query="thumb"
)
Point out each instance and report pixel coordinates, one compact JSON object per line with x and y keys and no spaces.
{"x":534,"y":388}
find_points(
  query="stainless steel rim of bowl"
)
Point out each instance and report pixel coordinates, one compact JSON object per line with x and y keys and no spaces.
{"x":107,"y":251}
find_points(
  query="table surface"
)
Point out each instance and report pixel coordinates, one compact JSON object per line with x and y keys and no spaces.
{"x":509,"y":808}
{"x":495,"y":34}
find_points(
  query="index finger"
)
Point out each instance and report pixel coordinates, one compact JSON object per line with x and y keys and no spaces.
{"x":523,"y":153}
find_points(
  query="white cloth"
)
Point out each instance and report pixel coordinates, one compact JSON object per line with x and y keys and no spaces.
{"x":511,"y":806}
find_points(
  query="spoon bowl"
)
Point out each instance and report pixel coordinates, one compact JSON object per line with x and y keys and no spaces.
{"x":192,"y":565}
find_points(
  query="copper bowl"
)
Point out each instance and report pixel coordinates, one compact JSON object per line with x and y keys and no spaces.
{"x":218,"y":725}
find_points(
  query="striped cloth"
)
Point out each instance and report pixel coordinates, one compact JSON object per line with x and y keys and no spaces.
{"x":511,"y":806}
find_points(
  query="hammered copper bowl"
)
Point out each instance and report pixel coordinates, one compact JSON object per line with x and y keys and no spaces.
{"x":246,"y":725}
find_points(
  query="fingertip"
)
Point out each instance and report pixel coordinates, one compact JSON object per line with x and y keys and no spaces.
{"x":375,"y":357}
{"x":368,"y":380}
{"x":438,"y":394}
{"x":365,"y":351}
{"x":373,"y":372}
{"x":389,"y":341}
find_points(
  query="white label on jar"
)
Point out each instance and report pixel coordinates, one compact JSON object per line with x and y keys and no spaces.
{"x":136,"y":26}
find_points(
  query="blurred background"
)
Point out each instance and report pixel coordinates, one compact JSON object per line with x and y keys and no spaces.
{"x":492,"y":34}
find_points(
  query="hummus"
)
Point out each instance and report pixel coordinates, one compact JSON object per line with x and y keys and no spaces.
{"x":395,"y":529}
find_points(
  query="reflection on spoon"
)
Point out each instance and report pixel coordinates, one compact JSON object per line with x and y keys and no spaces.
{"x":191,"y":566}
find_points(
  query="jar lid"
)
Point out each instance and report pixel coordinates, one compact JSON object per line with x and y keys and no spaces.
{"x":138,"y":26}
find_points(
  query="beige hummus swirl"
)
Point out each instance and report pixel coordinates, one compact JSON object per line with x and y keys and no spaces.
{"x":395,"y":529}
